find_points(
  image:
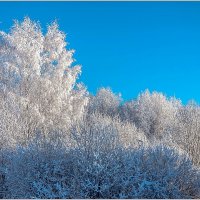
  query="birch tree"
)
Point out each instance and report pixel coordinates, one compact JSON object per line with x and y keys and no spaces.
{"x":37,"y":75}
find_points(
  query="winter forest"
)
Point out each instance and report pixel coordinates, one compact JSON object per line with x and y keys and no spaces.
{"x":60,"y":141}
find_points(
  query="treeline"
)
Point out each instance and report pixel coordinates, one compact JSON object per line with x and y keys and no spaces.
{"x":59,"y":141}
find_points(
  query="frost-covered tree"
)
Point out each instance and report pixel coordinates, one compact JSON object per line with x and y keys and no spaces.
{"x":154,"y":113}
{"x":187,"y":131}
{"x":105,"y":102}
{"x":127,"y":112}
{"x":37,"y":76}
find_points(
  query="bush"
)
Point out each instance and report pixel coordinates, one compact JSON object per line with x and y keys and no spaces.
{"x":157,"y":172}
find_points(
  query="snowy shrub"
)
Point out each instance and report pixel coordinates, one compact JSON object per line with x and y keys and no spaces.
{"x":160,"y":172}
{"x":143,"y":173}
{"x":31,"y":168}
{"x":120,"y":173}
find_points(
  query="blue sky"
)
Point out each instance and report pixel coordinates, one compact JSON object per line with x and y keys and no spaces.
{"x":128,"y":46}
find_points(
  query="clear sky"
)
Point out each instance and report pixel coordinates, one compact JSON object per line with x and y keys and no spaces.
{"x":128,"y":46}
